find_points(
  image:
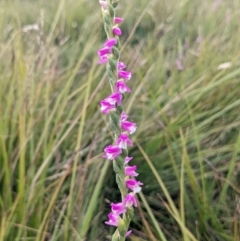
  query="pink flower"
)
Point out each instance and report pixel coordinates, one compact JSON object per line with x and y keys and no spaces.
{"x":128,"y":159}
{"x":130,"y":200}
{"x":104,"y":51}
{"x":124,"y":116}
{"x":134,"y":185}
{"x":118,"y":208}
{"x":103,"y":60}
{"x":124,"y":74}
{"x":114,"y":98}
{"x":127,"y":233}
{"x":122,"y":87}
{"x":128,"y":126}
{"x":117,"y":31}
{"x":121,"y":65}
{"x":123,"y":140}
{"x":106,"y":107}
{"x":118,"y":20}
{"x":110,"y":42}
{"x":111,"y":152}
{"x":130,"y":171}
{"x":104,"y":4}
{"x":113,"y":219}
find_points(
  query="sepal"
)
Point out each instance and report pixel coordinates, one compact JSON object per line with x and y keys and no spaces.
{"x":112,"y":63}
{"x":120,"y":184}
{"x":116,"y":52}
{"x":115,"y":4}
{"x":107,"y":29}
{"x":122,"y":227}
{"x":110,"y":73}
{"x":115,"y":236}
{"x":107,"y":19}
{"x":130,"y":213}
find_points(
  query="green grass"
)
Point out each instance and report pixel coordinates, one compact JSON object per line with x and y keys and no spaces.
{"x":54,"y":183}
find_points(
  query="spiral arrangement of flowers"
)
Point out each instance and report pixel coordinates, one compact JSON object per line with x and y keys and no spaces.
{"x":122,"y":212}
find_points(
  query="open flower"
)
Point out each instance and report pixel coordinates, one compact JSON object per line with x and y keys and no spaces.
{"x":131,"y":171}
{"x":124,"y":74}
{"x":128,"y":159}
{"x":114,"y":98}
{"x":130,"y":200}
{"x":128,"y":126}
{"x":134,"y":185}
{"x":104,"y":51}
{"x":121,"y":65}
{"x":123,"y":141}
{"x":113,"y":219}
{"x":106,"y":107}
{"x":103,"y":60}
{"x":124,"y":116}
{"x":110,"y":42}
{"x":122,"y":87}
{"x":118,"y":208}
{"x":111,"y":152}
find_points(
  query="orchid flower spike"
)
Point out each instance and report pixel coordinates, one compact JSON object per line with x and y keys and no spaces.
{"x":109,"y":54}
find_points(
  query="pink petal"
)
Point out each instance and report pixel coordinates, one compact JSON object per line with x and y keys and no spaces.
{"x":110,"y":42}
{"x":118,"y":20}
{"x":130,"y":171}
{"x":124,"y":74}
{"x":117,"y":31}
{"x":104,"y":4}
{"x":104,"y":51}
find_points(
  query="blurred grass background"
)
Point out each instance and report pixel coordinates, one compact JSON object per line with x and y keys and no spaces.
{"x":54,"y":183}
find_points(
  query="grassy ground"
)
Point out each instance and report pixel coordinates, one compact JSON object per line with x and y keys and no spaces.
{"x":184,"y":55}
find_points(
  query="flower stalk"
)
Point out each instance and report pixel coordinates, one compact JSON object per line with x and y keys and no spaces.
{"x":122,"y":212}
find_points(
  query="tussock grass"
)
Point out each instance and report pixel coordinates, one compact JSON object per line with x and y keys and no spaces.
{"x":54,"y":184}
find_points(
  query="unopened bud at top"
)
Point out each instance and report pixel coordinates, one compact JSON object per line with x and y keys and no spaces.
{"x":104,"y":4}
